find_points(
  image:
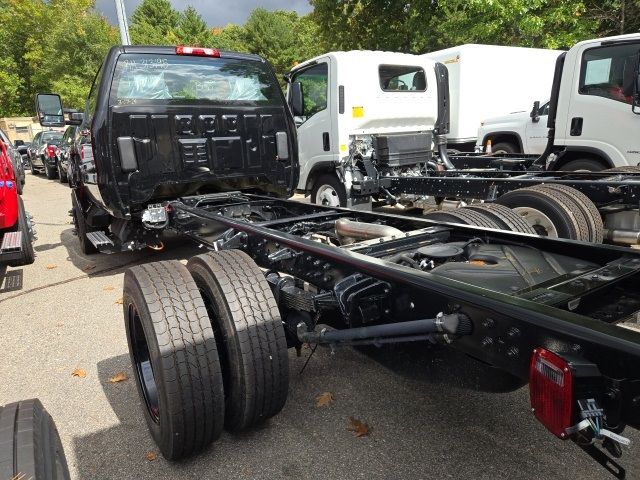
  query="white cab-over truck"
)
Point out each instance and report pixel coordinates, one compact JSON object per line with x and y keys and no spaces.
{"x":360,"y":101}
{"x":490,"y":80}
{"x":595,"y":123}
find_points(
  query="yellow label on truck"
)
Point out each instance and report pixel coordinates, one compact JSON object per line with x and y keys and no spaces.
{"x":357,"y":112}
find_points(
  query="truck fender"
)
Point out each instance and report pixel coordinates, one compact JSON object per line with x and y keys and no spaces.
{"x":317,"y":170}
{"x":573,"y":153}
{"x":510,"y":134}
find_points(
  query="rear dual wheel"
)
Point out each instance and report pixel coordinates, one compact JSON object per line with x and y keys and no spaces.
{"x":207,"y":346}
{"x":556,"y":211}
{"x":484,"y":215}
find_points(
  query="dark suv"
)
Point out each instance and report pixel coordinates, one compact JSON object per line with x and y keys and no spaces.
{"x":42,"y":153}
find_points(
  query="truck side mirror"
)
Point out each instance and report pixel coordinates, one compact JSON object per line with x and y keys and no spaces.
{"x":76,"y":118}
{"x":49,"y":110}
{"x":535,"y":112}
{"x":18,"y":143}
{"x":296,"y":102}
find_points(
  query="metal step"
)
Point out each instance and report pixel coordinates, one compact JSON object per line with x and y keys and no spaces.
{"x":99,"y":239}
{"x":11,"y":242}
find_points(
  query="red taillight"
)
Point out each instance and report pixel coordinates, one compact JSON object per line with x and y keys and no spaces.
{"x":51,"y":151}
{"x":551,"y":391}
{"x":198,"y":51}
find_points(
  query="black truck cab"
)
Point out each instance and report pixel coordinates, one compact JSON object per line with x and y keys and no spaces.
{"x":164,"y":122}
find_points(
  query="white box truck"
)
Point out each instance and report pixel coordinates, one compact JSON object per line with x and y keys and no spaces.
{"x":490,"y":80}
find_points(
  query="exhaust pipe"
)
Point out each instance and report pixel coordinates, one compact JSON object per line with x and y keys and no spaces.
{"x":350,"y":230}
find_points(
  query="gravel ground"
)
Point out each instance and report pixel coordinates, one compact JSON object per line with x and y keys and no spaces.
{"x":427,"y":414}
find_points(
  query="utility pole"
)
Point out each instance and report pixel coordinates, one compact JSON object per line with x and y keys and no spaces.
{"x":122,"y":23}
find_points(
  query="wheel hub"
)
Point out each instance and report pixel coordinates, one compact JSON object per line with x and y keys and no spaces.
{"x":540,"y":222}
{"x":327,"y":196}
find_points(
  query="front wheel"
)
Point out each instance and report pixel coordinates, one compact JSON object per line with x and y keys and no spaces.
{"x":329,"y":191}
{"x":504,"y":147}
{"x":584,"y":164}
{"x":82,"y":228}
{"x":174,"y":357}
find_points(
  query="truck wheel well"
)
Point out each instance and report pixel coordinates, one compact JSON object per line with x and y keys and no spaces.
{"x":569,"y":156}
{"x":317,"y":171}
{"x":505,"y":137}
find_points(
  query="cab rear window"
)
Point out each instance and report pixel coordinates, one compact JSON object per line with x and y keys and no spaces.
{"x":173,"y":79}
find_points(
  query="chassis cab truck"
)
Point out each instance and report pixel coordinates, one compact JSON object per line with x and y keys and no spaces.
{"x":347,"y":102}
{"x":596,"y":124}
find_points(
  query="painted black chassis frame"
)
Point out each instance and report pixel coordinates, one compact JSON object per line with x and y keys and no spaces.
{"x":602,"y":188}
{"x":506,"y":328}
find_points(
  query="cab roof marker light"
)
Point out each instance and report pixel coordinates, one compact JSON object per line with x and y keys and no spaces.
{"x":197,"y":51}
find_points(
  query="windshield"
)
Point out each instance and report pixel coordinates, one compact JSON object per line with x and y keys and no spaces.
{"x":152,"y":79}
{"x":53,"y":138}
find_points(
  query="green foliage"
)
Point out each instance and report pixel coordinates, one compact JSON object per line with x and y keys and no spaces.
{"x":191,"y":29}
{"x":54,"y":45}
{"x":153,"y":22}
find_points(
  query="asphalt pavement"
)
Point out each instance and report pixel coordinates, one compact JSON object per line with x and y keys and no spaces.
{"x":426,"y":409}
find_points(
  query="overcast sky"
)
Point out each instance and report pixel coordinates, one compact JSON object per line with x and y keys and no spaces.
{"x":216,"y":13}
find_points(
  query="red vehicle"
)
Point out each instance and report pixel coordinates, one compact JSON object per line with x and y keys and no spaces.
{"x":16,"y":231}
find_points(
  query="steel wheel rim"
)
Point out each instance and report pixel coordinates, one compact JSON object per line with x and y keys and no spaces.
{"x":143,"y":367}
{"x":327,"y":196}
{"x":540,"y":222}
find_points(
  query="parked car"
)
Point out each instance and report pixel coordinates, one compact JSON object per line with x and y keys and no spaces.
{"x":42,"y":153}
{"x":16,"y":160}
{"x":22,"y":148}
{"x":65,"y":152}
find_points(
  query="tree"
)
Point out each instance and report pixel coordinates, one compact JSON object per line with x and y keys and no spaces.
{"x":392,"y":25}
{"x":281,"y":37}
{"x":152,"y":22}
{"x":191,"y":29}
{"x":231,"y":37}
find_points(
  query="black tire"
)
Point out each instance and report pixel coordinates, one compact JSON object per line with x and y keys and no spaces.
{"x":50,"y":171}
{"x":33,"y":170}
{"x":557,"y":207}
{"x":509,"y":219}
{"x":23,"y":225}
{"x":582,"y":164}
{"x":30,"y":446}
{"x":625,"y":169}
{"x":588,"y":208}
{"x":174,"y":358}
{"x":82,"y":228}
{"x":251,"y":339}
{"x":62,"y":177}
{"x":464,"y":216}
{"x":504,"y":147}
{"x":329,"y":182}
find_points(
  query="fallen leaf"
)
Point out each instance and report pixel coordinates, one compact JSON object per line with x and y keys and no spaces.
{"x":88,"y":267}
{"x":151,"y":456}
{"x":120,"y":301}
{"x":51,"y":266}
{"x":79,"y":372}
{"x":324,"y":399}
{"x":108,"y":288}
{"x":118,"y":377}
{"x":359,"y":428}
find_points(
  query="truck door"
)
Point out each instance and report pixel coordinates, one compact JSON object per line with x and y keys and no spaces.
{"x":317,"y":142}
{"x":536,"y":133}
{"x":599,"y":115}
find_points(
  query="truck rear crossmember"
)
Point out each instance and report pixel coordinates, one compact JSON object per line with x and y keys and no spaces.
{"x":376,"y":278}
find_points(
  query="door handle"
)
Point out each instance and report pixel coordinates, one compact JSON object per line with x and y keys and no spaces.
{"x":326,"y":145}
{"x":576,"y":127}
